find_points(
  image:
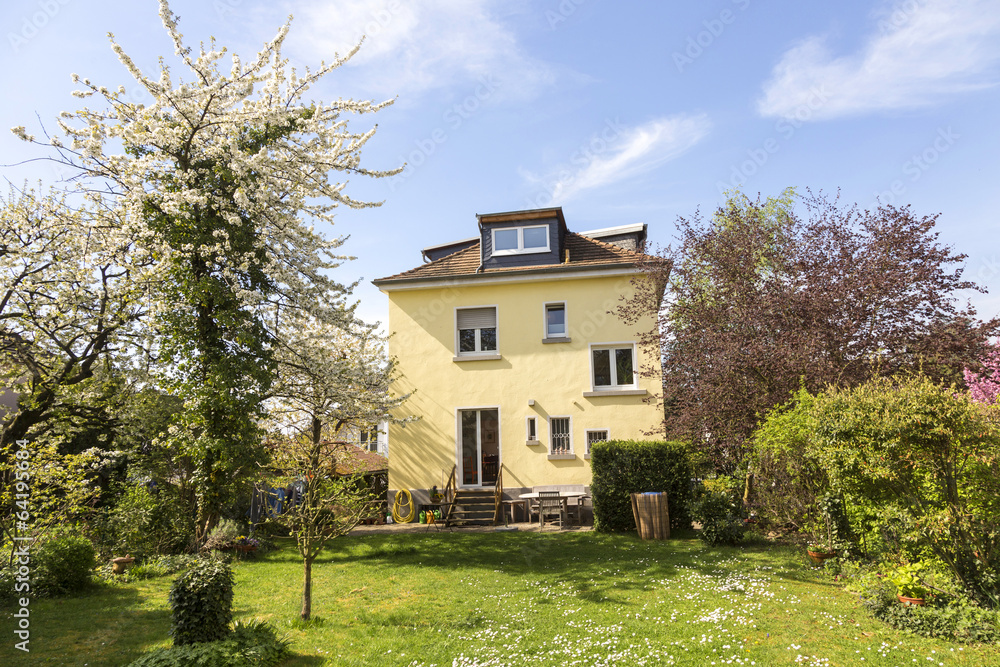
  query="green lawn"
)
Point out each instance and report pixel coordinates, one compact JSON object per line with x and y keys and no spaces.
{"x":476,"y":599}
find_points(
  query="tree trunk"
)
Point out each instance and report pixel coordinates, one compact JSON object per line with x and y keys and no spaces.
{"x":747,"y":489}
{"x":307,"y":589}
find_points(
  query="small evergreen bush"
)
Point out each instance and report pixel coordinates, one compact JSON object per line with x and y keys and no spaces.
{"x":202,"y":601}
{"x":62,"y":565}
{"x":623,"y":467}
{"x":721,"y":519}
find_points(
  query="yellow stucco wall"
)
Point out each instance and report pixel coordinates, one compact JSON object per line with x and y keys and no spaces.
{"x":555,"y":376}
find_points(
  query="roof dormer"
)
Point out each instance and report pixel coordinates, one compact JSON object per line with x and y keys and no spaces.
{"x":522,"y":238}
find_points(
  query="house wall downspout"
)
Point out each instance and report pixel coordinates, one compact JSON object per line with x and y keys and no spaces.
{"x":482,"y":245}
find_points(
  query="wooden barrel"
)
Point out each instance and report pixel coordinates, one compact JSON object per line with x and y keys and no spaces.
{"x":652,"y":515}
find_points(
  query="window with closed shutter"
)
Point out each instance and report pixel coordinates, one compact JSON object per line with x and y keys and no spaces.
{"x":477,"y":330}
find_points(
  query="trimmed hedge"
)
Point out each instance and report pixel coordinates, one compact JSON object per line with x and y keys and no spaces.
{"x":202,"y":603}
{"x":623,"y":467}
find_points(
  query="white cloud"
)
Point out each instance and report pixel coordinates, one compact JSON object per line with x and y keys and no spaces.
{"x":619,"y":152}
{"x":924,"y":50}
{"x":415,"y":46}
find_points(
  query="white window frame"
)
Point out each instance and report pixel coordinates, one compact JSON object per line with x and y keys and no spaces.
{"x":545,"y":321}
{"x":520,"y":249}
{"x":586,"y":437}
{"x":614,"y":386}
{"x":528,"y":439}
{"x":478,"y":353}
{"x":458,"y":440}
{"x":569,"y":453}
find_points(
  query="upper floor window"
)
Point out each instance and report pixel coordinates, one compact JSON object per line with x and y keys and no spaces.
{"x":477,"y":330}
{"x":517,"y":240}
{"x":555,"y":320}
{"x":613,"y":366}
{"x":368,"y":440}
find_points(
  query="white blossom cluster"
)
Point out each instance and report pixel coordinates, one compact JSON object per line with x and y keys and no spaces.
{"x":335,"y":378}
{"x":251,"y":120}
{"x":67,"y":288}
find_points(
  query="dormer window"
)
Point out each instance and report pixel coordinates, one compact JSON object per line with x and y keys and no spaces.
{"x":520,"y":240}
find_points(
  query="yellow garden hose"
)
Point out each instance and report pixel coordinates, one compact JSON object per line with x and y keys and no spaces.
{"x":396,"y":505}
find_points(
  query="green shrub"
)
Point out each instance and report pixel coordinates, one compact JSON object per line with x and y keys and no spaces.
{"x":62,"y":564}
{"x":720,"y":517}
{"x":959,"y":620}
{"x":224,"y":535}
{"x":253,"y":644}
{"x":202,"y":600}
{"x":623,"y":467}
{"x":916,"y":464}
{"x":150,"y":568}
{"x":145,"y":524}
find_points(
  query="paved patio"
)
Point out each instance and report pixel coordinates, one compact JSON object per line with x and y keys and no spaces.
{"x":415,"y":527}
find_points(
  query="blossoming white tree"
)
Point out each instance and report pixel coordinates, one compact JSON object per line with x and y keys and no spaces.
{"x":67,"y":301}
{"x":221,"y":179}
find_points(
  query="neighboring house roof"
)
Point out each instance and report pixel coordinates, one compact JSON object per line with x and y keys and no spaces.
{"x":430,"y":253}
{"x":579,"y":252}
{"x":352,"y":460}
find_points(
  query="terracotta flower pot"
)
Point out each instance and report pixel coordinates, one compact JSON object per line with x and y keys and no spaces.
{"x":819,"y":556}
{"x":917,"y":602}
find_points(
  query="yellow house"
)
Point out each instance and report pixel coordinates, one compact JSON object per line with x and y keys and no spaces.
{"x":515,"y":363}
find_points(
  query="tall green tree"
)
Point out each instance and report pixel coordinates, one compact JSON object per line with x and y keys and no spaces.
{"x":222,"y":179}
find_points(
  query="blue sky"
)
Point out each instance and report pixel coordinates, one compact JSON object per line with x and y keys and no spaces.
{"x":618,"y":112}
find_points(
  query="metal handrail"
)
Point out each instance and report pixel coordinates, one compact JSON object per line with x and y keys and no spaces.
{"x":449,"y":493}
{"x":498,"y":497}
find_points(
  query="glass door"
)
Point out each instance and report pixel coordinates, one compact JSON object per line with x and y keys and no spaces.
{"x":479,"y":449}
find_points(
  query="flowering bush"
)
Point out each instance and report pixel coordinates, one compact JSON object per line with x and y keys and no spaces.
{"x":985,"y":387}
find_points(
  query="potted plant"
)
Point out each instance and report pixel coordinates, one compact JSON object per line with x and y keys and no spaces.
{"x":833,"y":534}
{"x":820,"y":551}
{"x":909,"y":588}
{"x":246,"y":544}
{"x":436,"y":497}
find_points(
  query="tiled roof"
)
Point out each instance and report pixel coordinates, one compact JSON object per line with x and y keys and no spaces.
{"x":352,"y":460}
{"x":579,"y":252}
